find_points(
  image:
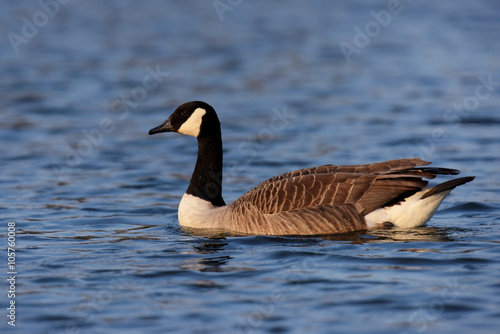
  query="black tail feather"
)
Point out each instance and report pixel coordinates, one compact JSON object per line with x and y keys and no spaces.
{"x":448,"y":185}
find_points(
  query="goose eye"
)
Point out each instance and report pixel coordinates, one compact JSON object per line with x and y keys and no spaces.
{"x":184,"y":112}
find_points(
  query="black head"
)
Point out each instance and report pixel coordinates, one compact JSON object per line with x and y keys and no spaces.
{"x":197,"y":119}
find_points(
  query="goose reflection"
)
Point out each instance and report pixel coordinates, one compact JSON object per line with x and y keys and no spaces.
{"x":389,"y":234}
{"x":421,"y":234}
{"x":209,"y":263}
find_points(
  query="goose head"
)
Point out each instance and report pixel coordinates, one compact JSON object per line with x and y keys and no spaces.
{"x":196,"y":118}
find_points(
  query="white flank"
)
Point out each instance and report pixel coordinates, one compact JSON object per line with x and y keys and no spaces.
{"x":192,"y":125}
{"x":413,"y":212}
{"x":195,"y":212}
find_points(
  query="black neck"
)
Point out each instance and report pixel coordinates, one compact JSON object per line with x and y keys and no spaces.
{"x":206,"y":181}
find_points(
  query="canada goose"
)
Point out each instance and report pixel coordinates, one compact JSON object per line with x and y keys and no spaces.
{"x":311,"y":201}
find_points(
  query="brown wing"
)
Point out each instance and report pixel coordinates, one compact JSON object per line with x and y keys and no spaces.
{"x":320,"y":220}
{"x":377,"y":167}
{"x":366,"y":187}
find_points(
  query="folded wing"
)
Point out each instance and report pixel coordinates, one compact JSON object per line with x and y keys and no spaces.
{"x":366,"y":187}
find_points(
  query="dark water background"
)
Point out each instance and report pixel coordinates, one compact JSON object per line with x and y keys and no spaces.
{"x":94,"y":198}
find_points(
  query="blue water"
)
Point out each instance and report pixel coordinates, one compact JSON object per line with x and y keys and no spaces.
{"x":94,"y":198}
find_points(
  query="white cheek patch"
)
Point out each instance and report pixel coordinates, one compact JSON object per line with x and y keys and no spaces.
{"x":192,"y":125}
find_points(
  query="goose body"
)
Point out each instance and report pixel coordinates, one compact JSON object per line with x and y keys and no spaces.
{"x":320,"y":200}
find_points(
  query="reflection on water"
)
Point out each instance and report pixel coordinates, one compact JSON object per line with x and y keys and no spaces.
{"x":429,"y":234}
{"x":219,"y":263}
{"x":215,"y":264}
{"x":359,"y":237}
{"x":210,"y":248}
